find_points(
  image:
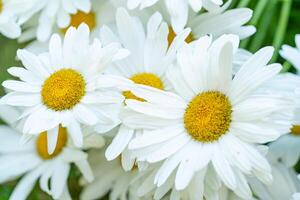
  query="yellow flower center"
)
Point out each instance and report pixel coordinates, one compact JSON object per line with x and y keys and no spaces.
{"x":148,"y":79}
{"x":190,"y":38}
{"x":208,"y":116}
{"x":296,"y":130}
{"x":63,"y":89}
{"x":42,"y":142}
{"x":82,"y":17}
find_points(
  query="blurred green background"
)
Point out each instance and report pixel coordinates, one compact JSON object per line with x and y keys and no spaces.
{"x":277,"y":22}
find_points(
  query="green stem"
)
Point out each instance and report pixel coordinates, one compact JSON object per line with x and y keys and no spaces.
{"x":258,"y":11}
{"x":286,"y":67}
{"x":243,"y":3}
{"x":282,"y":26}
{"x":263,"y":27}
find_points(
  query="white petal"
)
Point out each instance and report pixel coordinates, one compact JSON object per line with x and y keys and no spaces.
{"x":119,"y":142}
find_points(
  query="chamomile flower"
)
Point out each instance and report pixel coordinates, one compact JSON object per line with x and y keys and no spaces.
{"x":214,"y":120}
{"x":56,"y":13}
{"x":33,"y":162}
{"x":150,"y":56}
{"x":109,"y":177}
{"x":59,"y":88}
{"x":177,"y":9}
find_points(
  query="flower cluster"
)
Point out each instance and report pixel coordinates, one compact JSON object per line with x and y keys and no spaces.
{"x":149,"y":99}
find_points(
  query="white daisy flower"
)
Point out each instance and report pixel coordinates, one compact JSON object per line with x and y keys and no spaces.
{"x":101,"y":13}
{"x":292,"y":54}
{"x":10,"y":12}
{"x":221,"y":21}
{"x":178,"y":10}
{"x":150,"y":56}
{"x":214,"y":120}
{"x":59,"y":87}
{"x":109,"y":177}
{"x":55,"y":13}
{"x":33,"y":162}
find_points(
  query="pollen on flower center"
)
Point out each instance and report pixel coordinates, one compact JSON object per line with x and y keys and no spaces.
{"x":63,"y":89}
{"x":190,"y":38}
{"x":42,"y":142}
{"x":148,"y":79}
{"x":208,"y":116}
{"x":82,"y":17}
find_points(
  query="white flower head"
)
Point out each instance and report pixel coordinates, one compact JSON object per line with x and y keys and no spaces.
{"x":33,"y":162}
{"x":60,"y":87}
{"x":215,"y":119}
{"x":95,"y":15}
{"x":149,"y":59}
{"x":177,"y":9}
{"x":221,"y":21}
{"x":54,"y":13}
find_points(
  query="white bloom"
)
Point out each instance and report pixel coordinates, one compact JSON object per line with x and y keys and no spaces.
{"x":10,"y":13}
{"x":150,"y":56}
{"x":54,"y":13}
{"x":292,"y":54}
{"x":285,"y":183}
{"x":109,"y":177}
{"x":177,"y":9}
{"x":100,"y":13}
{"x":220,"y":21}
{"x":33,"y":162}
{"x":60,"y":87}
{"x":214,"y":120}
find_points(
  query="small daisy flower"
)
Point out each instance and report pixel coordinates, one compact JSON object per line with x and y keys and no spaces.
{"x":109,"y":177}
{"x":178,"y":10}
{"x":213,"y":120}
{"x":292,"y":54}
{"x":56,"y":13}
{"x":32,"y":161}
{"x":59,"y":88}
{"x":150,"y":56}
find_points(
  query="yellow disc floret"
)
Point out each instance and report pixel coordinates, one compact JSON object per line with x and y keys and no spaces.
{"x":82,"y":17}
{"x":42,"y":142}
{"x":63,"y":89}
{"x":295,"y":130}
{"x":148,"y":79}
{"x":172,"y":35}
{"x":208,"y":116}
